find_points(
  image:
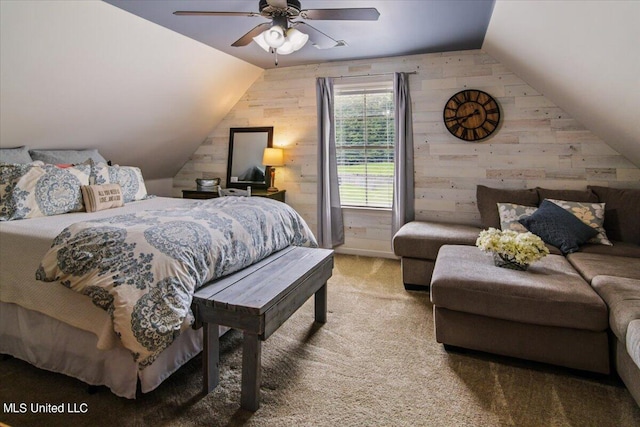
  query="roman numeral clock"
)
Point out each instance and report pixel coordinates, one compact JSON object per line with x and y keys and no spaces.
{"x":471,"y":115}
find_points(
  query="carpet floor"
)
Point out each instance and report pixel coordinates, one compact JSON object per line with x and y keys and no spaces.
{"x":374,"y":363}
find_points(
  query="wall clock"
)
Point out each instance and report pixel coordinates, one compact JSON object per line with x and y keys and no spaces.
{"x":471,"y":115}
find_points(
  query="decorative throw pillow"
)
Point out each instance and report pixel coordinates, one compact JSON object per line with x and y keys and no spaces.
{"x":15,"y":155}
{"x":510,"y":213}
{"x":10,"y":174}
{"x":100,"y":197}
{"x":99,"y":173}
{"x":48,"y":190}
{"x":591,"y":214}
{"x":131,"y":181}
{"x":558,"y":227}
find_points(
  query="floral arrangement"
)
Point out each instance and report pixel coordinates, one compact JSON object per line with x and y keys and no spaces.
{"x":512,"y":249}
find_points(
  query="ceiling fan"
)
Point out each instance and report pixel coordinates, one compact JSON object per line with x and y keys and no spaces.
{"x":284,"y":35}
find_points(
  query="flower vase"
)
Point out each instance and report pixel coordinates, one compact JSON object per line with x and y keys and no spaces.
{"x":504,"y":261}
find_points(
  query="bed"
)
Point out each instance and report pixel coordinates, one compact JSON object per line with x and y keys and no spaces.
{"x":56,"y":328}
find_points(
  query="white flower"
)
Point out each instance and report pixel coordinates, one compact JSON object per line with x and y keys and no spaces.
{"x":524,"y":248}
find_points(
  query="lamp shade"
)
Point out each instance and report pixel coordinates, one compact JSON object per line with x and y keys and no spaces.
{"x":274,"y":36}
{"x":294,"y":41}
{"x":273,"y":157}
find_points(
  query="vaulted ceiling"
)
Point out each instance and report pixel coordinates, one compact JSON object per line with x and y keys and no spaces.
{"x":580,"y":54}
{"x":404,"y":27}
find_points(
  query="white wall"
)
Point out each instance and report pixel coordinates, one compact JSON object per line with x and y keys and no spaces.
{"x":85,"y":74}
{"x":582,"y":55}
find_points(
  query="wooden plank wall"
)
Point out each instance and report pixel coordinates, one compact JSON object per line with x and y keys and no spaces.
{"x":538,"y":144}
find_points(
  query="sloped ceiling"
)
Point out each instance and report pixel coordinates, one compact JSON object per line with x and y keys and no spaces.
{"x":405,"y":27}
{"x":583,"y":55}
{"x":89,"y":75}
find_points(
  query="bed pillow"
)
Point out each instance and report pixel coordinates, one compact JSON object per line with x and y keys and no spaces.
{"x":48,"y":190}
{"x":100,"y":197}
{"x":66,"y":156}
{"x":558,"y":227}
{"x":591,"y":214}
{"x":131,"y":181}
{"x":488,"y":199}
{"x":621,"y":213}
{"x":510,"y":213}
{"x":15,"y":155}
{"x":10,"y":174}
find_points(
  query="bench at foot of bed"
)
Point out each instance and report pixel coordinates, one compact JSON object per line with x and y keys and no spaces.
{"x":257,"y":300}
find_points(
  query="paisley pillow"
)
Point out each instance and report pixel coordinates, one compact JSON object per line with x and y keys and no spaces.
{"x":510,"y":213}
{"x":591,"y":214}
{"x":130,"y":180}
{"x":48,"y":190}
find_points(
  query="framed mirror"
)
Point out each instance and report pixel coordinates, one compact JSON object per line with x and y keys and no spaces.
{"x":246,"y":146}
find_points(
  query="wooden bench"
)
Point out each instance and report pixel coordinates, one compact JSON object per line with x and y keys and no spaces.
{"x":257,"y":300}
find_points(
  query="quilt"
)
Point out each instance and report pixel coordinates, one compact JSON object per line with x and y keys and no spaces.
{"x":143,"y":268}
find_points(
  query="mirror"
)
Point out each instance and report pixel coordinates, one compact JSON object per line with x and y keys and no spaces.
{"x":246,"y":146}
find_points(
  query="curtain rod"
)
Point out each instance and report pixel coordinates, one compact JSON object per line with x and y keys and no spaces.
{"x":371,"y":75}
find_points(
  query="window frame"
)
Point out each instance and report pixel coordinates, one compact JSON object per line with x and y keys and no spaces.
{"x":370,"y":86}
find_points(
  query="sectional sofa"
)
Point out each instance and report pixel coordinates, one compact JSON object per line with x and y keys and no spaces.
{"x":579,"y":309}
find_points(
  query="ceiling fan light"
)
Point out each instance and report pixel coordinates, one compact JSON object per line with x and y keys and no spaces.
{"x":259,"y":39}
{"x":286,"y":48}
{"x":274,"y":36}
{"x":297,"y":38}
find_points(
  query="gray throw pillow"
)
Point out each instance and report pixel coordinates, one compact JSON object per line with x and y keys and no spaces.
{"x":558,"y":227}
{"x":15,"y":155}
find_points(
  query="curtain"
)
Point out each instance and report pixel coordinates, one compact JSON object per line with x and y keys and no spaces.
{"x":402,"y":208}
{"x":330,"y":223}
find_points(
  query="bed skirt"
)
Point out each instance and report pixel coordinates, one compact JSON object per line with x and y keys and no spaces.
{"x":55,"y":346}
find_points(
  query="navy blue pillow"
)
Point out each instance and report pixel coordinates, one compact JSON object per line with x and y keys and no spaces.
{"x":558,"y":227}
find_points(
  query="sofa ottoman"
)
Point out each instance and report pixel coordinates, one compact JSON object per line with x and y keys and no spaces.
{"x":547,"y":314}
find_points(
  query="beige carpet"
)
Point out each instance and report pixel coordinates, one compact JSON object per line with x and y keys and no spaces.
{"x":375,"y":363}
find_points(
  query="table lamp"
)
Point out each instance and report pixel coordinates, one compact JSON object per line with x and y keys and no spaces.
{"x":273,"y":157}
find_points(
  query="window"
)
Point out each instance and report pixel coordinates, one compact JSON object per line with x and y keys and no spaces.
{"x":364,"y":117}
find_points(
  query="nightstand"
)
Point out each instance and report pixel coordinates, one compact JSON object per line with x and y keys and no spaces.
{"x":210,"y":194}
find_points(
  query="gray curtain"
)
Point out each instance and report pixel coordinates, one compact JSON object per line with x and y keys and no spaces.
{"x":403,"y":209}
{"x":330,"y":223}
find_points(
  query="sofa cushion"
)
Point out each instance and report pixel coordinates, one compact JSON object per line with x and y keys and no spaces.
{"x":549,"y":293}
{"x":422,"y":239}
{"x":618,"y":249}
{"x":621,"y":213}
{"x":569,"y":195}
{"x":558,"y":227}
{"x":590,"y":265}
{"x":633,"y":342}
{"x":623,"y":299}
{"x":488,"y":199}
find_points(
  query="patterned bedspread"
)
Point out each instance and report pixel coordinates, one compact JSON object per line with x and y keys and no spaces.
{"x":143,"y":268}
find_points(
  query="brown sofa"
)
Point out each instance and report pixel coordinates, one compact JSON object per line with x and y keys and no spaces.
{"x":581,"y":310}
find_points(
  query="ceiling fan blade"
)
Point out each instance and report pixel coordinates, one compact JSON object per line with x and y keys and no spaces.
{"x":280,"y":4}
{"x":354,"y":14}
{"x":204,"y":13}
{"x":248,"y":38}
{"x":317,"y":37}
